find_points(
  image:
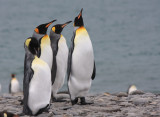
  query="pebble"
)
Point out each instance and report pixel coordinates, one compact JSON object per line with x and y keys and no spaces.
{"x":121,"y":94}
{"x":141,"y":101}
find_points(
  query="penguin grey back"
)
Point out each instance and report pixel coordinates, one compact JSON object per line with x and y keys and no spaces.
{"x":37,"y":36}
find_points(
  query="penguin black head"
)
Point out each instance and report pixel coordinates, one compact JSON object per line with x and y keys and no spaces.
{"x":59,"y":27}
{"x":42,"y":29}
{"x":12,"y":75}
{"x":33,"y":46}
{"x":78,"y":21}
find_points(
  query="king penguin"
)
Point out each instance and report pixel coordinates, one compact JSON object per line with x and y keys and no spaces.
{"x":37,"y":81}
{"x":60,"y":58}
{"x":81,"y":65}
{"x":14,"y":86}
{"x":41,"y":30}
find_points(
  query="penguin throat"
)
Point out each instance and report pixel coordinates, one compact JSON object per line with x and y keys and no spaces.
{"x":75,"y":28}
{"x":13,"y":78}
{"x":37,"y":36}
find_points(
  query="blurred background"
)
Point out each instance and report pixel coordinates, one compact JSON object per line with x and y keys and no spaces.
{"x":125,"y":36}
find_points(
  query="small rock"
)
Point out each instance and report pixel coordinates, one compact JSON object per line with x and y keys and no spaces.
{"x":131,"y":114}
{"x":155,"y":114}
{"x":107,"y":94}
{"x":125,"y":104}
{"x":113,"y":109}
{"x":67,"y":115}
{"x":141,"y":101}
{"x":149,"y":95}
{"x":100,"y":100}
{"x":121,"y":94}
{"x":115,"y":99}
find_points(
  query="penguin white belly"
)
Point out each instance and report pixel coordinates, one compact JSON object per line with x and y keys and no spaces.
{"x":81,"y":68}
{"x":78,"y":88}
{"x":61,"y":59}
{"x":47,"y":55}
{"x":40,"y":88}
{"x":15,"y":86}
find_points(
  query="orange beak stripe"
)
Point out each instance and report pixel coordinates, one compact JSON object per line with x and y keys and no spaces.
{"x":79,"y":15}
{"x":64,"y":25}
{"x":48,"y":24}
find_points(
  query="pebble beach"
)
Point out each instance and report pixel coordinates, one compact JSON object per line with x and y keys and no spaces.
{"x":104,"y":105}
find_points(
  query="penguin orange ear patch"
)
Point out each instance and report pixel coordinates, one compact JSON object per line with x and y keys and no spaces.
{"x":36,"y":30}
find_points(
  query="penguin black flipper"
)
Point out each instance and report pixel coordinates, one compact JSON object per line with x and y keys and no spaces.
{"x":54,"y":68}
{"x":28,"y":74}
{"x":10,"y":87}
{"x":70,"y":56}
{"x":27,"y":80}
{"x":94,"y":72}
{"x":54,"y":42}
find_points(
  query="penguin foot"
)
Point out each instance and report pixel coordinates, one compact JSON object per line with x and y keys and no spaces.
{"x":26,"y":111}
{"x":83,"y":101}
{"x":22,"y":114}
{"x":21,"y":102}
{"x":45,"y":109}
{"x":66,"y":108}
{"x":74,"y":101}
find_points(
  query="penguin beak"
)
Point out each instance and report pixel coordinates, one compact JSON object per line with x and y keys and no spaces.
{"x":80,"y":14}
{"x":63,"y":25}
{"x":50,"y":23}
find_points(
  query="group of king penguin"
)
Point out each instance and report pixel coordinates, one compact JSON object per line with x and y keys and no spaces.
{"x":48,"y":59}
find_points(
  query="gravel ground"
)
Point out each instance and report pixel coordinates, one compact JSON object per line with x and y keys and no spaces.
{"x":105,"y":105}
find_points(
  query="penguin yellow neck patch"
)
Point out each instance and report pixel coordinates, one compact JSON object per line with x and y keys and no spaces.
{"x":53,"y":29}
{"x":45,"y":40}
{"x":81,"y":35}
{"x":81,"y":31}
{"x":14,"y":79}
{"x":61,"y":36}
{"x":5,"y":115}
{"x":36,"y":62}
{"x":27,"y":42}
